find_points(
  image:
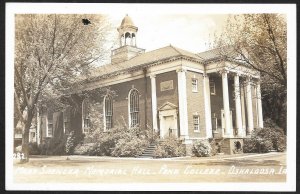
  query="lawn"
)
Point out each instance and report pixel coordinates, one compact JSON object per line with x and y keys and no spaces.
{"x":85,"y":169}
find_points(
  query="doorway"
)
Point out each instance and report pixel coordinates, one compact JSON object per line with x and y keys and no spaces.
{"x":168,"y":120}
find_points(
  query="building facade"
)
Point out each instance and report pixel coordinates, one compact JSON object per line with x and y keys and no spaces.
{"x":174,"y":92}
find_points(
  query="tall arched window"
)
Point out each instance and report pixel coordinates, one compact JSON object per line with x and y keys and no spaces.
{"x":108,"y":112}
{"x":134,"y":108}
{"x":85,"y":116}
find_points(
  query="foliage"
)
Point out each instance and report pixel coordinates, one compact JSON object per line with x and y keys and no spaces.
{"x":202,"y":148}
{"x":70,"y":143}
{"x":53,"y":146}
{"x":83,"y":149}
{"x":214,"y":147}
{"x":118,"y":142}
{"x":266,"y":139}
{"x":130,"y":147}
{"x":33,"y":148}
{"x":52,"y":52}
{"x":169,"y":147}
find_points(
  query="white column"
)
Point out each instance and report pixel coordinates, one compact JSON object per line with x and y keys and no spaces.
{"x":228,"y":130}
{"x":207,"y":109}
{"x":154,"y":102}
{"x":243,"y":110}
{"x":249,"y":106}
{"x":182,"y":95}
{"x":259,"y":106}
{"x":238,"y":111}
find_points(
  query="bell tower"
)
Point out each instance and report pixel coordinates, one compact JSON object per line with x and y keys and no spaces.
{"x":127,"y":42}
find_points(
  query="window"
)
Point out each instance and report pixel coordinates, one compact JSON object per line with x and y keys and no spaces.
{"x":214,"y":122}
{"x":133,"y":108}
{"x":85,"y":116}
{"x":50,"y":125}
{"x":66,"y":116}
{"x":194,"y":85}
{"x":212,"y":86}
{"x":108,"y":111}
{"x":196,"y":122}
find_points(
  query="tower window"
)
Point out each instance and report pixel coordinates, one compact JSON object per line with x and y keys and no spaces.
{"x":85,"y":116}
{"x":195,"y":85}
{"x":133,"y":108}
{"x":108,"y":111}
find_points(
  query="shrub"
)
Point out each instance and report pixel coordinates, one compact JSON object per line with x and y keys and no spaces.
{"x":129,"y":147}
{"x":70,"y":143}
{"x":83,"y":149}
{"x":54,"y":146}
{"x":266,"y":139}
{"x":33,"y":148}
{"x":18,"y":148}
{"x":170,"y":147}
{"x":214,"y":147}
{"x":202,"y":148}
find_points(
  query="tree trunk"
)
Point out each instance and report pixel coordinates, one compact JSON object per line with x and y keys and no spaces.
{"x":25,"y":138}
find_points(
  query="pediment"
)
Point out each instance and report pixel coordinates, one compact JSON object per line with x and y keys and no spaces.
{"x":167,"y":106}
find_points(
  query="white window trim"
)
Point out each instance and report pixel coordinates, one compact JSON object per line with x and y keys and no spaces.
{"x":129,"y":115}
{"x":212,"y":92}
{"x":195,"y":89}
{"x":47,"y":122}
{"x":64,"y":120}
{"x":198,"y":117}
{"x":104,"y":112}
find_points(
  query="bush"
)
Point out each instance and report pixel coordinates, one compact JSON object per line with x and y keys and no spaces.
{"x":53,"y":146}
{"x":83,"y":149}
{"x":129,"y":147}
{"x":202,"y":148}
{"x":266,"y":139}
{"x":33,"y":148}
{"x":170,"y":147}
{"x":70,"y":143}
{"x":120,"y":142}
{"x":214,"y":147}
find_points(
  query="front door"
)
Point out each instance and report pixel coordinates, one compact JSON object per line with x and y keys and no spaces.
{"x":168,"y":126}
{"x":168,"y":120}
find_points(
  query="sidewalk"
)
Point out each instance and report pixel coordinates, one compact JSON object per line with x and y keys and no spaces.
{"x":179,"y":159}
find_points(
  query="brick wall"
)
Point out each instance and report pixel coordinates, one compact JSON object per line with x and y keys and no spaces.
{"x":167,"y":95}
{"x":120,"y":101}
{"x":195,"y":104}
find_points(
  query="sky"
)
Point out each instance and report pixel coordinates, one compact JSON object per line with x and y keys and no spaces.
{"x":192,"y":32}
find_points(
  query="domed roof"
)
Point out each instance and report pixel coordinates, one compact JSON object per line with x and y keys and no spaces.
{"x":127,"y":21}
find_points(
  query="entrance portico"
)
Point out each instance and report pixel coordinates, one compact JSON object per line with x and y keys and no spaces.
{"x":235,"y":117}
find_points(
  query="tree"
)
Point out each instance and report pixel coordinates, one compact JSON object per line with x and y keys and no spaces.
{"x":52,"y":52}
{"x":260,"y":42}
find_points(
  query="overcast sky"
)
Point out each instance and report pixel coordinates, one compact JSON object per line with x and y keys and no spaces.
{"x":191,"y":32}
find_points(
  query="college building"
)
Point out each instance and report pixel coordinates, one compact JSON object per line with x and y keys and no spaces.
{"x":174,"y":92}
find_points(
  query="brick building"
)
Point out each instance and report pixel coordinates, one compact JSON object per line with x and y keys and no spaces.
{"x":189,"y":95}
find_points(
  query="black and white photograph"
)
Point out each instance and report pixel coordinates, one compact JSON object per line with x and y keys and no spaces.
{"x":182,"y":97}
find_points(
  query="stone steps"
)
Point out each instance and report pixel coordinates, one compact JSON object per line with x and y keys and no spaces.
{"x":148,"y":152}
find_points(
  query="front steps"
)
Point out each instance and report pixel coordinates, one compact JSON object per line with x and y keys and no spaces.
{"x":148,"y":152}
